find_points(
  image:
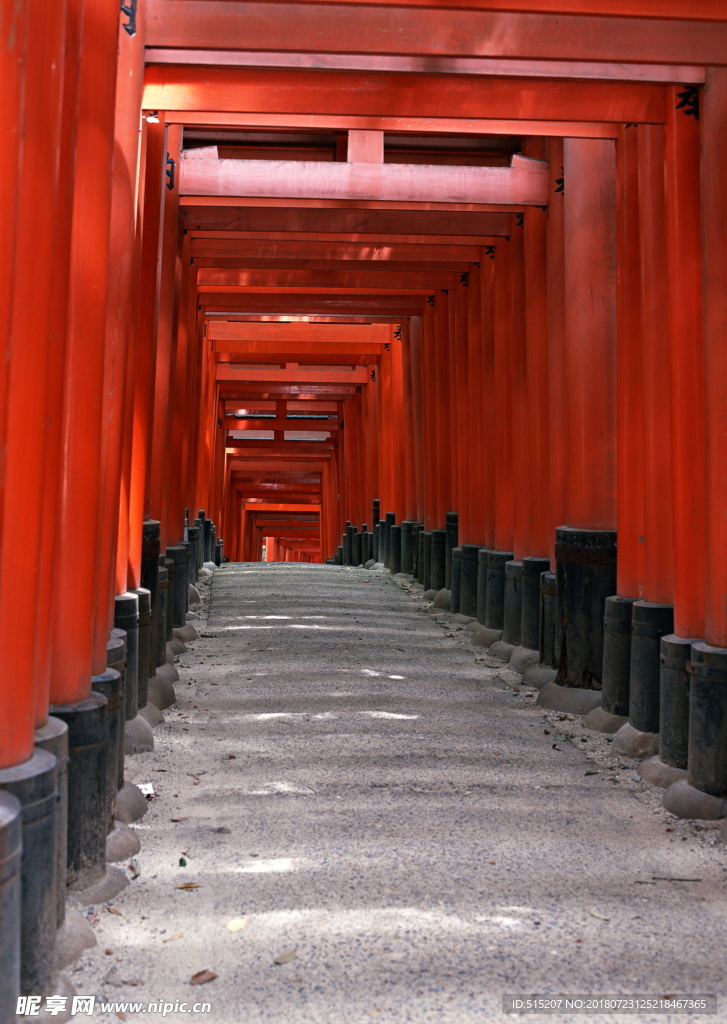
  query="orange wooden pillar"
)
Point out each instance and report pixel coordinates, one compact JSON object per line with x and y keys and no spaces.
{"x":630,"y":407}
{"x":537,"y":380}
{"x":586,"y":545}
{"x":145,"y":348}
{"x":414,"y":335}
{"x":73,"y":658}
{"x":714,"y":254}
{"x":160,"y":467}
{"x":590,"y":331}
{"x":557,"y":392}
{"x":517,"y":396}
{"x":683,"y":231}
{"x":33,"y":43}
{"x":656,"y":376}
{"x":120,"y":311}
{"x":702,"y":793}
{"x":471,"y":519}
{"x":486,"y":486}
{"x":501,"y":453}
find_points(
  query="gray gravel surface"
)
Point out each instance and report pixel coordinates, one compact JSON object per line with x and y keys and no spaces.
{"x":368,"y":790}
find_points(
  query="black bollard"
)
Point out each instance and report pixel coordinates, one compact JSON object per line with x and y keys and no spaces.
{"x":117,"y":659}
{"x":199,"y":525}
{"x":171,"y":568}
{"x":495,"y":607}
{"x":357,"y":548}
{"x":350,"y":545}
{"x":586,"y":573}
{"x":707,"y":767}
{"x":649,"y":623}
{"x":395,"y":549}
{"x":375,"y":511}
{"x":425,"y":546}
{"x":150,"y":581}
{"x":456,"y":581}
{"x":482,"y":585}
{"x":674,"y":700}
{"x":150,"y":552}
{"x":11,"y":851}
{"x":143,"y":646}
{"x":407,"y":549}
{"x":547,"y":619}
{"x":34,"y":784}
{"x":339,"y":555}
{"x":108,"y":683}
{"x":126,"y":618}
{"x":53,"y":738}
{"x":512,"y":603}
{"x":193,"y":563}
{"x":159,"y":620}
{"x":439,"y":558}
{"x":382,"y":541}
{"x":218,"y":553}
{"x":179,"y":553}
{"x":468,"y":579}
{"x":87,"y":803}
{"x":365,"y":544}
{"x":388,"y":523}
{"x":416,"y":530}
{"x":533,"y":568}
{"x":616,"y":678}
{"x":208,"y":548}
{"x":451,"y":520}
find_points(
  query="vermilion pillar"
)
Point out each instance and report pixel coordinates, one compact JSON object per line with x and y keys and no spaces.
{"x":73,"y":619}
{"x":159,"y":468}
{"x":501,"y":451}
{"x":630,"y":406}
{"x":714,"y":396}
{"x":538,"y":380}
{"x":120,"y":308}
{"x":35,"y":108}
{"x":517,"y":394}
{"x":684,"y":261}
{"x":590,"y":330}
{"x":557,"y":381}
{"x":656,"y":377}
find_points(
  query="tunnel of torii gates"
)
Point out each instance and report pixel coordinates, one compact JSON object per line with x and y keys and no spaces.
{"x":442,"y":287}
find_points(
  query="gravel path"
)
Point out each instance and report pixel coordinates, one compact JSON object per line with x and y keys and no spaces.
{"x":355,"y":783}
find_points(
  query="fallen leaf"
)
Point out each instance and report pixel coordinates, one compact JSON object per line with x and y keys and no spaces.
{"x":114,"y":910}
{"x":285,"y":958}
{"x":134,"y":867}
{"x":591,"y":773}
{"x":182,"y":862}
{"x":179,"y":819}
{"x":400,"y":649}
{"x":236,"y":924}
{"x":173,"y":938}
{"x":556,"y":747}
{"x":133,"y":981}
{"x":121,"y":1015}
{"x":231,"y":757}
{"x":160,"y":769}
{"x":189,"y":885}
{"x":560,"y":738}
{"x":202,"y":977}
{"x":222,"y":831}
{"x":108,"y":952}
{"x":601,"y":917}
